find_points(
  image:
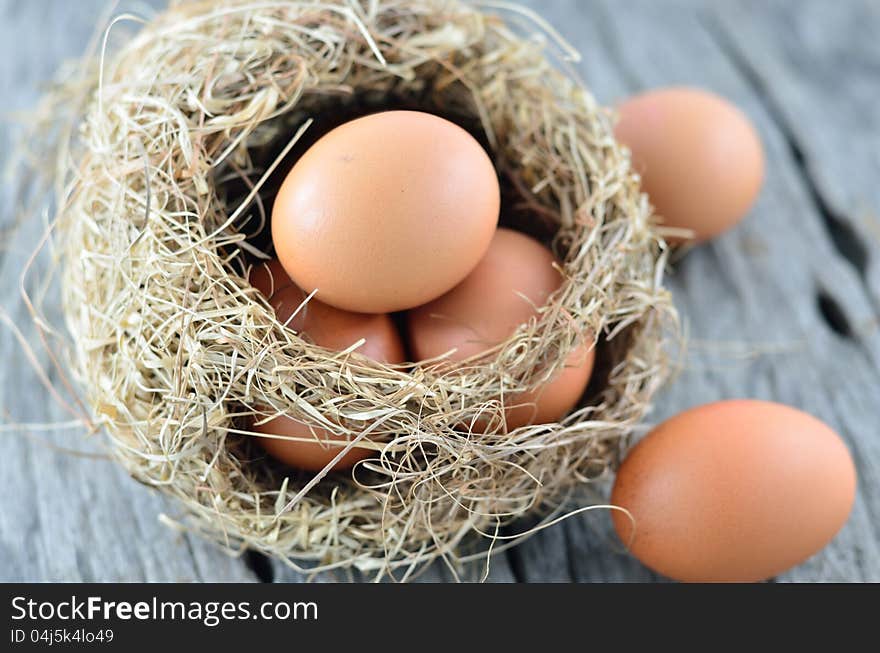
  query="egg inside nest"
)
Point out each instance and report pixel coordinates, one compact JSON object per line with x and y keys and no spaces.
{"x":518,"y":210}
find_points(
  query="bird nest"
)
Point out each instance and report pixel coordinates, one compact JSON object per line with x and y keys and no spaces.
{"x":183,"y":133}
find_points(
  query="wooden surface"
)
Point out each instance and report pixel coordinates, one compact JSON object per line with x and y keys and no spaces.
{"x":786,"y":307}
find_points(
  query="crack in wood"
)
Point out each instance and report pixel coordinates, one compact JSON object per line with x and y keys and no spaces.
{"x":833,"y":314}
{"x":516,"y":564}
{"x":514,"y":558}
{"x":260,"y":564}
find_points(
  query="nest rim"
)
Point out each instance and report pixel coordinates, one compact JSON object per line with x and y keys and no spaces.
{"x":373,"y":521}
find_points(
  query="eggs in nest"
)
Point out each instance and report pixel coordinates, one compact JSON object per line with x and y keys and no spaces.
{"x":398,"y":211}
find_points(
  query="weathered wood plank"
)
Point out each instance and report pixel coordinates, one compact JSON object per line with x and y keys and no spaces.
{"x":786,"y":307}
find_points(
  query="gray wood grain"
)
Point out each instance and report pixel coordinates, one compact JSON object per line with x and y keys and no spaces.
{"x":786,"y":307}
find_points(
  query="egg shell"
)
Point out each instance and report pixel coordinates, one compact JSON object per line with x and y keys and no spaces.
{"x":700,"y":159}
{"x":386,"y":212}
{"x":514,"y":278}
{"x":335,"y":329}
{"x":269,"y":277}
{"x":557,"y":398}
{"x":733,"y":491}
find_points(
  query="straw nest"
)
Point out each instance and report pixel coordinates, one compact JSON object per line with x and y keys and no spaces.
{"x":165,"y":207}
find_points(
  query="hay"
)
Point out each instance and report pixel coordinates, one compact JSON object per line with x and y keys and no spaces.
{"x":161,"y":193}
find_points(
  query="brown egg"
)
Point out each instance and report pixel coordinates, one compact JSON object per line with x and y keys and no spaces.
{"x":556,"y":399}
{"x":386,"y":212}
{"x":700,"y":159}
{"x":269,"y":277}
{"x":514,"y":278}
{"x":733,"y":491}
{"x":335,"y":329}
